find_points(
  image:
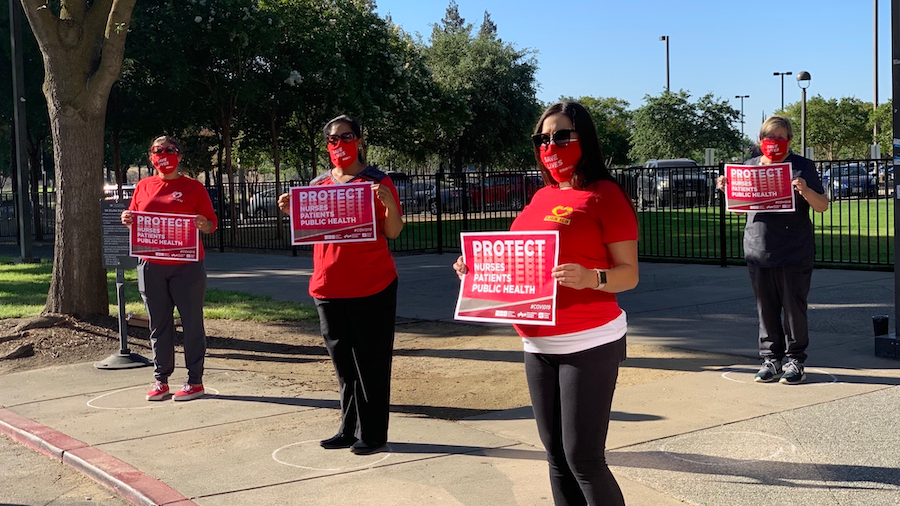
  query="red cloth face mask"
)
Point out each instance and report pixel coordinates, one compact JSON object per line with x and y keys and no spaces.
{"x":561,"y":161}
{"x":774,"y":149}
{"x":165,"y":163}
{"x":343,"y":154}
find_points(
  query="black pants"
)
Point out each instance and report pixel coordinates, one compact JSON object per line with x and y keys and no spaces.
{"x":572,"y":398}
{"x":359,"y":336}
{"x":782,"y":289}
{"x":163,"y":288}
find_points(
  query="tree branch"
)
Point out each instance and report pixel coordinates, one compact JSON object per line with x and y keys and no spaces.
{"x":42,"y":20}
{"x":73,"y":9}
{"x":112,"y":53}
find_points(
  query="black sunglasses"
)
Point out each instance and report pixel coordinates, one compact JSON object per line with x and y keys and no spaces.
{"x":171,"y":150}
{"x":345,"y":137}
{"x":560,"y":137}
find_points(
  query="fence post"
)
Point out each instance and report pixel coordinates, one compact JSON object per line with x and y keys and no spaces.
{"x":722,"y":238}
{"x":438,"y":205}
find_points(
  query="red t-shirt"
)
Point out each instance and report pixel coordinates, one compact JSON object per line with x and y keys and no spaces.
{"x":178,"y":196}
{"x":587,"y":221}
{"x":354,"y":269}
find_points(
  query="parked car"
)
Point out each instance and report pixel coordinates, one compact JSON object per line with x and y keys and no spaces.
{"x":672,"y":183}
{"x":506,"y":191}
{"x":849,"y":180}
{"x":264,"y":204}
{"x":451,"y":199}
{"x":412,"y":192}
{"x":111,"y":191}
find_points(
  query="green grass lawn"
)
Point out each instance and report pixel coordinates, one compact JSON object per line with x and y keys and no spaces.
{"x":24,"y":287}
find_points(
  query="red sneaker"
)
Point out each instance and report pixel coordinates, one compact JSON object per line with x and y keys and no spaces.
{"x":188,"y":392}
{"x":159,"y":392}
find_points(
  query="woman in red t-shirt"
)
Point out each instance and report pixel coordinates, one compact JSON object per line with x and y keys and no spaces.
{"x":167,"y":284}
{"x":572,"y":367}
{"x":354,"y":286}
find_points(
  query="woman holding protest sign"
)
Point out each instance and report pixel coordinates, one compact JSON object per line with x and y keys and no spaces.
{"x":167,"y":284}
{"x":779,"y":249}
{"x":354,"y":286}
{"x":572,"y":367}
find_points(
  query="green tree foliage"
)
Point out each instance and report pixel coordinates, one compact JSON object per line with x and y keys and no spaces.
{"x":834,"y":128}
{"x":671,"y":126}
{"x":487,"y":93}
{"x":883,"y":115}
{"x":614,"y":125}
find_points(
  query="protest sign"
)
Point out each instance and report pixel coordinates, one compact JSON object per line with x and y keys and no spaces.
{"x":759,"y":188}
{"x":332,"y":213}
{"x":508,"y":278}
{"x":164,"y":236}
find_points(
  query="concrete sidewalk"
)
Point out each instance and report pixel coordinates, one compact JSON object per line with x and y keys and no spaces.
{"x":712,"y":436}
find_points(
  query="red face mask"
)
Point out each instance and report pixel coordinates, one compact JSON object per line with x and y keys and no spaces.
{"x":343,"y":154}
{"x":774,"y":149}
{"x":561,"y":161}
{"x":165,"y":163}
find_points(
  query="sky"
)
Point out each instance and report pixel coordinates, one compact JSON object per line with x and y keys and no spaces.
{"x":611,"y":48}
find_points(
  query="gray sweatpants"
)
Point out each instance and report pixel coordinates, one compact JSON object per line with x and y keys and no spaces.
{"x":163,"y":288}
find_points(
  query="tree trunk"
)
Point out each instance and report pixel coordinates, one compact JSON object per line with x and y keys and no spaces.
{"x":78,"y":286}
{"x":82,"y":47}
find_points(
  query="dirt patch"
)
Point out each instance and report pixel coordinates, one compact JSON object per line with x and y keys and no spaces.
{"x":444,"y":370}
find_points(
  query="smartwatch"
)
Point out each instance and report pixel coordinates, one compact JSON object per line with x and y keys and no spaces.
{"x":601,"y":279}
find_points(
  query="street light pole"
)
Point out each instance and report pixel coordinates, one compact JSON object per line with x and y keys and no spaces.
{"x":803,"y":80}
{"x":24,"y":208}
{"x":782,"y":74}
{"x":666,"y":38}
{"x":742,"y":97}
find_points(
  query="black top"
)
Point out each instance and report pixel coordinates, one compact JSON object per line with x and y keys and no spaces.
{"x":779,"y":239}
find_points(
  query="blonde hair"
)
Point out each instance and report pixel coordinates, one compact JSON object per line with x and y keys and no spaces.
{"x":773,"y":123}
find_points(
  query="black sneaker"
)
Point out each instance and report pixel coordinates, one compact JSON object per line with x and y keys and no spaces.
{"x":364,"y":448}
{"x":769,"y":372}
{"x":337,"y":441}
{"x":793,"y":373}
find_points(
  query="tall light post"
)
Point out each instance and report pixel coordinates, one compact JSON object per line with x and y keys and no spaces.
{"x":742,"y":97}
{"x":666,"y":39}
{"x":782,"y":74}
{"x":803,"y":80}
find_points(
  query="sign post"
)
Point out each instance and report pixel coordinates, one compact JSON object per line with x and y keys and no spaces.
{"x":115,"y":256}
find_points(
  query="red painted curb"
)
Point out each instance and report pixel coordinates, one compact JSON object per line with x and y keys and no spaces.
{"x":128,"y":482}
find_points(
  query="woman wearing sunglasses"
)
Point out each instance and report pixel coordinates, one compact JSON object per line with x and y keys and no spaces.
{"x":167,"y":284}
{"x":779,"y":249}
{"x":572,"y":367}
{"x":354,"y":286}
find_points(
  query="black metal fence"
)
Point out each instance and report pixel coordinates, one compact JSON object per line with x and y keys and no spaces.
{"x":681,"y":215}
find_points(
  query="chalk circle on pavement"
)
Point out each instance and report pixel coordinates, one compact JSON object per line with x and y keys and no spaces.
{"x":111,"y":400}
{"x":727,"y":448}
{"x":319,"y":459}
{"x":743,"y":371}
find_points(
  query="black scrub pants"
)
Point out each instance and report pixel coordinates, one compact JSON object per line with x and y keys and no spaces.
{"x":782,"y":290}
{"x":359,"y":336}
{"x":572,"y":397}
{"x":163,"y":288}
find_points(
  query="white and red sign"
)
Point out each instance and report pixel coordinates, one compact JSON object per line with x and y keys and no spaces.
{"x":508,"y":278}
{"x":759,"y":188}
{"x":332,"y":213}
{"x":164,"y":236}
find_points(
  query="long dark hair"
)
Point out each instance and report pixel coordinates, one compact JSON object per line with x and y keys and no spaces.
{"x":591,"y":168}
{"x":354,"y":125}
